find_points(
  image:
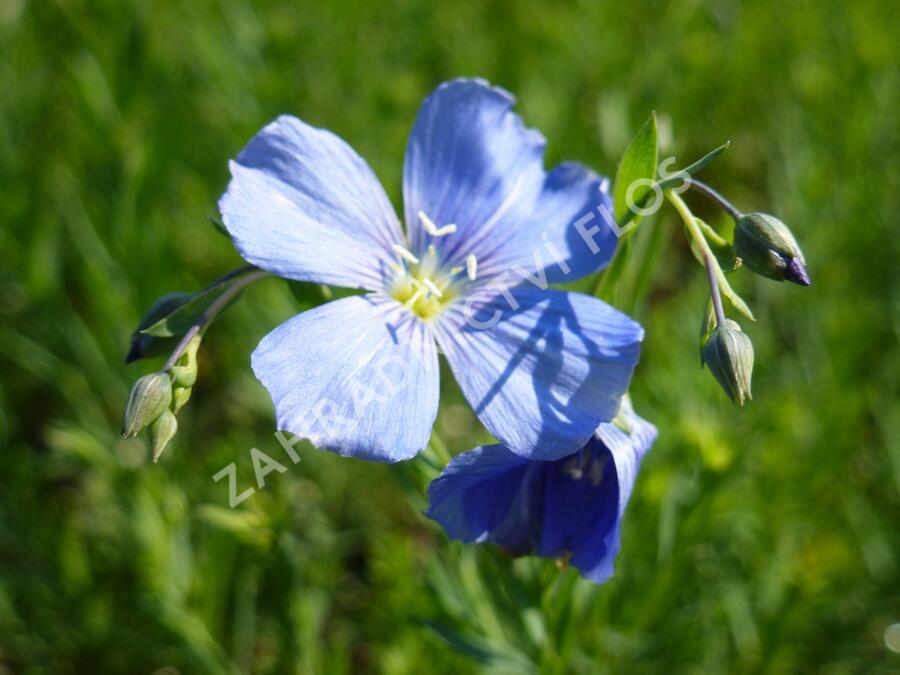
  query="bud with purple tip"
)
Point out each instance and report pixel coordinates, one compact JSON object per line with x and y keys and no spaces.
{"x":766,"y":246}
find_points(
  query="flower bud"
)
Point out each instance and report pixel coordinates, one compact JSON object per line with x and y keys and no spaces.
{"x":767,"y":247}
{"x":729,"y":355}
{"x":184,"y":372}
{"x":180,"y":396}
{"x":162,"y":431}
{"x":149,"y":397}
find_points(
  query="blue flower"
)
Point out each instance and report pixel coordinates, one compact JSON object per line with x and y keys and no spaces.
{"x":571,"y":506}
{"x":487,"y":229}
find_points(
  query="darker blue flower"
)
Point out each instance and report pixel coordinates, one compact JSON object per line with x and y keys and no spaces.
{"x":487,"y":229}
{"x":571,"y":506}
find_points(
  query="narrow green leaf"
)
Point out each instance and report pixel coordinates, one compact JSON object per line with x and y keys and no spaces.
{"x":182,"y":318}
{"x":637,"y":164}
{"x":479,"y":649}
{"x":144,"y":345}
{"x":693,"y":168}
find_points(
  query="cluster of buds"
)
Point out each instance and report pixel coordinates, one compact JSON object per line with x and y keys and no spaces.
{"x":156,"y":398}
{"x":764,"y":245}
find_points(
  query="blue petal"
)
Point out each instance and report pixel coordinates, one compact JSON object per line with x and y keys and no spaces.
{"x":573,"y":505}
{"x":472,"y":162}
{"x":489,"y":494}
{"x":541,"y":368}
{"x":303,"y":205}
{"x":357,"y":376}
{"x":587,"y":520}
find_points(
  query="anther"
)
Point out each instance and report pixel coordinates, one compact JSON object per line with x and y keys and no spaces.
{"x":472,"y":267}
{"x":433,"y":229}
{"x":414,"y":298}
{"x":405,"y":254}
{"x":432,"y":287}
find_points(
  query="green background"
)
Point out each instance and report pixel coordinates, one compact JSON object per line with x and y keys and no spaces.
{"x":762,"y":539}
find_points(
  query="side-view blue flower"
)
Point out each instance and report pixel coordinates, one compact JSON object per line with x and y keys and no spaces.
{"x":487,"y":229}
{"x":567,"y":507}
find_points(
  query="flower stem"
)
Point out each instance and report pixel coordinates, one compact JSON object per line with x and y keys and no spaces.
{"x":713,"y":195}
{"x":714,"y":289}
{"x":713,"y":271}
{"x":251,"y":272}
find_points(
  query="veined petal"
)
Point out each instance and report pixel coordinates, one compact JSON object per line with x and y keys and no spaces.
{"x":303,"y":205}
{"x":571,"y":506}
{"x":489,"y":494}
{"x":471,"y":162}
{"x":357,"y":376}
{"x":541,"y":368}
{"x":584,"y":516}
{"x":555,"y":235}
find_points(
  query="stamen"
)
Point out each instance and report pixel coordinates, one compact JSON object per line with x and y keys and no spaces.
{"x":456,"y":269}
{"x":596,"y":472}
{"x":431,"y":287}
{"x":414,"y":298}
{"x":405,"y":254}
{"x":433,"y":229}
{"x":472,"y":267}
{"x":432,"y":251}
{"x":573,"y":469}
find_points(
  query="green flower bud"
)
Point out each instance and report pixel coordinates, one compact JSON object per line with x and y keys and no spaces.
{"x":184,"y":372}
{"x":149,"y":397}
{"x":729,"y":355}
{"x":180,"y":396}
{"x":162,"y":432}
{"x":767,"y":247}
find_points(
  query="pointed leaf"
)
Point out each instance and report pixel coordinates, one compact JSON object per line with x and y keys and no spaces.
{"x":637,"y":164}
{"x":144,"y":345}
{"x":182,"y":318}
{"x":677,"y":178}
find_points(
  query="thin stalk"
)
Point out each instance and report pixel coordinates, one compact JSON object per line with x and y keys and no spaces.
{"x":714,"y":196}
{"x":216,"y":307}
{"x":714,"y":290}
{"x":713,"y":271}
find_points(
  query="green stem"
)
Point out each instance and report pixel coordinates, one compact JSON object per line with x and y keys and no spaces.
{"x":714,"y":272}
{"x":714,"y":196}
{"x":251,"y":273}
{"x":714,"y":290}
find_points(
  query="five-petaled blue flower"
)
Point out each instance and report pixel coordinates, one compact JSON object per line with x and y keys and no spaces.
{"x":487,"y":229}
{"x":571,"y":506}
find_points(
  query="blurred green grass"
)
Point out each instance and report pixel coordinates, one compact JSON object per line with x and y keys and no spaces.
{"x":757,"y":540}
